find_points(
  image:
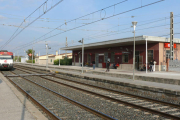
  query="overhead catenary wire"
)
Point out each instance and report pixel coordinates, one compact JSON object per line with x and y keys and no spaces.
{"x":162,"y":18}
{"x":44,"y":12}
{"x":55,"y":49}
{"x":77,"y":42}
{"x":116,"y":33}
{"x":22,"y":17}
{"x":80,"y":18}
{"x":93,"y":21}
{"x":129,"y":27}
{"x":130,"y":31}
{"x":57,"y":29}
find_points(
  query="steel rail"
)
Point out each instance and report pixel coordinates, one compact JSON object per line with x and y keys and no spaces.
{"x":46,"y":110}
{"x":119,"y":101}
{"x":119,"y":92}
{"x":100,"y":114}
{"x":124,"y":102}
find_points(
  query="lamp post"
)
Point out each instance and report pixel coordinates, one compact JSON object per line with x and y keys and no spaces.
{"x":134,"y":25}
{"x":32,"y":55}
{"x":39,"y":57}
{"x":146,"y":55}
{"x":59,"y":57}
{"x":18,"y":55}
{"x":14,"y":57}
{"x":82,"y":41}
{"x":24,"y":54}
{"x":47,"y":47}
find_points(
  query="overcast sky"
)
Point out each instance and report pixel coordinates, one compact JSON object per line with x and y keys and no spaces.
{"x":152,"y":20}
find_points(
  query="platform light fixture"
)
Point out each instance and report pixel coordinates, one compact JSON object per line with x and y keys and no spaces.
{"x":82,"y":41}
{"x":47,"y":47}
{"x":134,"y":26}
{"x":59,"y":56}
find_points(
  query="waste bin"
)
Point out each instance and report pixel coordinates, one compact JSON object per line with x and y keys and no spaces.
{"x":103,"y":65}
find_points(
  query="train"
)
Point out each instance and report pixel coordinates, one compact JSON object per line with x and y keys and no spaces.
{"x":6,"y":60}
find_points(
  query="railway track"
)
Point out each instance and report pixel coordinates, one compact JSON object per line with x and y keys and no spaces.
{"x":161,"y":108}
{"x":74,"y":109}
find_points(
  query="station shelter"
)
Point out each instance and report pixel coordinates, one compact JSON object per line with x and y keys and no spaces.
{"x":121,"y":51}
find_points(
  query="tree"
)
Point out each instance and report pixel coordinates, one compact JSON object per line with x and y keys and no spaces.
{"x":30,"y":51}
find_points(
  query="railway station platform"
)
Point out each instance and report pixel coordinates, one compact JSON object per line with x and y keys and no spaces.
{"x":14,"y":106}
{"x":163,"y":82}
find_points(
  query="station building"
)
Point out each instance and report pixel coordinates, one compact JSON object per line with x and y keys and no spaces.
{"x":51,"y":57}
{"x":121,"y":51}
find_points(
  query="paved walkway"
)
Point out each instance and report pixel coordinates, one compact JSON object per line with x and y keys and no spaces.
{"x":10,"y":106}
{"x":159,"y":87}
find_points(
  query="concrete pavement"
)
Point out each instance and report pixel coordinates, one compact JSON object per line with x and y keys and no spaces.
{"x":15,"y":106}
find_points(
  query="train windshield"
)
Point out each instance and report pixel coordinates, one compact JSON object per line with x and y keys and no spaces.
{"x":5,"y":57}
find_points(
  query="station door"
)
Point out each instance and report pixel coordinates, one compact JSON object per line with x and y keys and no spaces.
{"x":97,"y":59}
{"x":105,"y":57}
{"x":89,"y":59}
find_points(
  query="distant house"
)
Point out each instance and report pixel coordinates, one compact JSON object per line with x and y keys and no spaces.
{"x":51,"y":58}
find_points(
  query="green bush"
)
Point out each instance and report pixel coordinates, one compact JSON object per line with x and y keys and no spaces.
{"x":64,"y":61}
{"x":30,"y":61}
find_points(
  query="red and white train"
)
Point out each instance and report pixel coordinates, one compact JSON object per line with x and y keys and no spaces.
{"x":6,"y":59}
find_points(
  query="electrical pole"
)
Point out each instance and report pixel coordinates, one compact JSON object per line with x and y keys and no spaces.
{"x":171,"y":37}
{"x":14,"y":57}
{"x":59,"y":57}
{"x":82,"y":54}
{"x":24,"y":54}
{"x":32,"y":55}
{"x":46,"y":56}
{"x":39,"y":57}
{"x":66,"y":46}
{"x":18,"y":55}
{"x":47,"y":47}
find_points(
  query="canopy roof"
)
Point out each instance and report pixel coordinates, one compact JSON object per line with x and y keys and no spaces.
{"x":122,"y":42}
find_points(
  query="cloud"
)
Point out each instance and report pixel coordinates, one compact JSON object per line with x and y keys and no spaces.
{"x":2,"y":17}
{"x":1,"y":40}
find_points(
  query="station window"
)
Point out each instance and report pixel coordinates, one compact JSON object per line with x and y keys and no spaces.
{"x":150,"y":55}
{"x":125,"y":58}
{"x":51,"y":60}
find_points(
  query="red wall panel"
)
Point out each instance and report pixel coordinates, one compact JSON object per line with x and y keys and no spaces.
{"x":129,"y":48}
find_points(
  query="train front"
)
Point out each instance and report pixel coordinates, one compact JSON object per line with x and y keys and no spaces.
{"x":6,"y":60}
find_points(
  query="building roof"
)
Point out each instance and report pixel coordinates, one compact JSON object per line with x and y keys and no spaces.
{"x":51,"y":55}
{"x":122,"y":42}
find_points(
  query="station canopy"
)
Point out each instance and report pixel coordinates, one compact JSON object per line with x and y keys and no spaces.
{"x":122,"y":42}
